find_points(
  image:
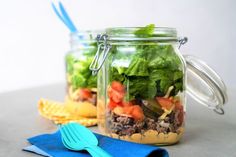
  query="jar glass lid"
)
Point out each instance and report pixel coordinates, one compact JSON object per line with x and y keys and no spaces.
{"x":205,"y":85}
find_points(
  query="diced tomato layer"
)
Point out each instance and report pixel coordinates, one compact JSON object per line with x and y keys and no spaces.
{"x":168,"y":103}
{"x":118,"y":110}
{"x":115,"y":95}
{"x":128,"y":110}
{"x":135,"y":111}
{"x":128,"y":104}
{"x":85,"y":93}
{"x":116,"y":91}
{"x":165,"y":102}
{"x":118,"y":86}
{"x":113,"y":104}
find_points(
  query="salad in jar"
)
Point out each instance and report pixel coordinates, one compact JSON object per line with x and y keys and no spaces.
{"x":81,"y":85}
{"x":145,"y":91}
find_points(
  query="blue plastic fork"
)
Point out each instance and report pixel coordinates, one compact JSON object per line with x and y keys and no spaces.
{"x":64,"y":17}
{"x":77,"y":137}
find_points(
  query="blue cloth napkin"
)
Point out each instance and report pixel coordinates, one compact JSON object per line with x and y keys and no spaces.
{"x":51,"y":145}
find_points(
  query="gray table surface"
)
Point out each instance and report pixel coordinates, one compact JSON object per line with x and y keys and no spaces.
{"x":207,"y":134}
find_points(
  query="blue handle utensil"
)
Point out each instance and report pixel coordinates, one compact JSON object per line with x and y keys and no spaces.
{"x":77,"y":137}
{"x":64,"y":17}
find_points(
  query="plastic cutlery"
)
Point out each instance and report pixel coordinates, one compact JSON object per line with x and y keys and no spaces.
{"x":78,"y":137}
{"x":67,"y":142}
{"x":64,"y":17}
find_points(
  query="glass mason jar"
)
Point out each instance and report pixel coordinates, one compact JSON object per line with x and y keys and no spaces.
{"x":81,"y":85}
{"x":142,"y":84}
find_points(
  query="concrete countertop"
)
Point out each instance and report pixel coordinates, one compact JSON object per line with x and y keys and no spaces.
{"x":207,"y":134}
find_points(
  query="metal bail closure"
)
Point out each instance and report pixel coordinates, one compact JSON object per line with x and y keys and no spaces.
{"x":182,"y":41}
{"x":101,"y":54}
{"x":205,"y":85}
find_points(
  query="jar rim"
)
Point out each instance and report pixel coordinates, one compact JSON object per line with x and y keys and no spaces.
{"x":84,"y":39}
{"x":129,"y":34}
{"x":85,"y":34}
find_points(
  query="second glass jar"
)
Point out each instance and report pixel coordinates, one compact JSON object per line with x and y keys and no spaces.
{"x":81,"y":85}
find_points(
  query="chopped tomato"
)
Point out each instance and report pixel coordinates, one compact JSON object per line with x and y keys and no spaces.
{"x":135,"y":111}
{"x":115,"y":95}
{"x":116,"y":91}
{"x":165,"y":102}
{"x":85,"y":93}
{"x":128,"y":110}
{"x":171,"y":98}
{"x":118,"y":110}
{"x":113,"y":104}
{"x":118,"y":86}
{"x":127,"y":104}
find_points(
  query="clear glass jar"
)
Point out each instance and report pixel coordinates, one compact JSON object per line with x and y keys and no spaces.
{"x":142,"y":85}
{"x":81,"y":85}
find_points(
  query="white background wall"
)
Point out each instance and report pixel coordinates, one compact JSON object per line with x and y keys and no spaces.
{"x":33,"y":41}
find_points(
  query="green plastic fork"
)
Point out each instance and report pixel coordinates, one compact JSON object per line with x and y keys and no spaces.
{"x":77,"y":137}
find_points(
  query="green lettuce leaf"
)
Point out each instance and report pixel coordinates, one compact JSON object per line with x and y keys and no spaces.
{"x":138,"y":67}
{"x":78,"y":81}
{"x":153,"y":67}
{"x":69,"y":64}
{"x":145,"y":31}
{"x":77,"y":67}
